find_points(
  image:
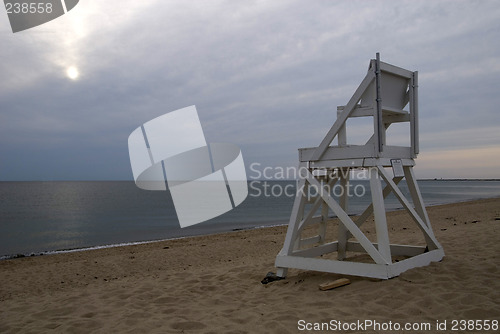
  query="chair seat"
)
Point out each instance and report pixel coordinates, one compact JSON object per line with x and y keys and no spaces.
{"x":357,"y":152}
{"x":364,"y":111}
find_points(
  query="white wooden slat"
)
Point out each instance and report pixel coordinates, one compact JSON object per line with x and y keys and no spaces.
{"x":380,"y":218}
{"x":411,"y":93}
{"x":388,"y":111}
{"x":344,"y":203}
{"x":395,"y":70}
{"x":332,"y":153}
{"x":310,"y":241}
{"x":338,"y":163}
{"x":330,"y":266}
{"x":356,"y":152}
{"x":378,"y":126}
{"x":322,"y":225}
{"x":317,"y":251}
{"x":291,"y":234}
{"x":396,"y":250}
{"x":416,"y":261}
{"x":342,"y":136}
{"x":417,"y":199}
{"x":359,"y":162}
{"x":396,"y":118}
{"x":370,"y":111}
{"x":357,"y":268}
{"x":385,"y":162}
{"x":416,"y":145}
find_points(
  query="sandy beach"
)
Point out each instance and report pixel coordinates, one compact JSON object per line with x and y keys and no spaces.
{"x":211,"y":284}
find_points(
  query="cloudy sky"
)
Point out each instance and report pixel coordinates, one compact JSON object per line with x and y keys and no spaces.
{"x":265,"y":75}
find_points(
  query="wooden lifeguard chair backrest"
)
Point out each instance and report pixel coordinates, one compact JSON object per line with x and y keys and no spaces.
{"x":393,"y":91}
{"x":383,"y":94}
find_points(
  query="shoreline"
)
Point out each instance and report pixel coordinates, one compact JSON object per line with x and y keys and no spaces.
{"x":132,"y":243}
{"x":235,"y":229}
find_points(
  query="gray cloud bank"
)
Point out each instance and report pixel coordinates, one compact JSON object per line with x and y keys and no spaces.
{"x":266,"y":76}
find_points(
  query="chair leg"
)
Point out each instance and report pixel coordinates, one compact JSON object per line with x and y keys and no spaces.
{"x":282,"y":272}
{"x":343,"y":233}
{"x":380,"y":217}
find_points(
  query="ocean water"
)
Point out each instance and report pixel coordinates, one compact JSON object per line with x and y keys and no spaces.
{"x":39,"y":217}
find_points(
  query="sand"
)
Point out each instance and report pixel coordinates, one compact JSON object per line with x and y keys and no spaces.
{"x":211,"y":284}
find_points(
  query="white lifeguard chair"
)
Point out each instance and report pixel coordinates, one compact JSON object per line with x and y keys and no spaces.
{"x":383,"y":94}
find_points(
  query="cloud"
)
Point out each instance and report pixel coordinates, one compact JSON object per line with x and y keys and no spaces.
{"x":264,"y":75}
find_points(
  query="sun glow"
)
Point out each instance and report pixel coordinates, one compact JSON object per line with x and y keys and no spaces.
{"x":72,"y":73}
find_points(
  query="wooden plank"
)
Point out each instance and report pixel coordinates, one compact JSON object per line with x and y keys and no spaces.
{"x":379,"y":214}
{"x":335,"y":152}
{"x":344,"y":202}
{"x":322,"y":225}
{"x":411,"y":91}
{"x":417,"y":199}
{"x":357,"y":268}
{"x":310,"y":241}
{"x":337,"y":163}
{"x":331,"y":266}
{"x":417,"y":261}
{"x":317,"y":251}
{"x":342,"y":137}
{"x":396,"y":118}
{"x":396,"y":250}
{"x":352,"y":152}
{"x":300,"y":213}
{"x":295,"y":217}
{"x":386,"y":162}
{"x":320,"y":150}
{"x":392,"y":111}
{"x":334,"y":284}
{"x":291,"y":233}
{"x":395,"y":70}
{"x":416,"y":147}
{"x":378,"y":138}
{"x":370,"y":111}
